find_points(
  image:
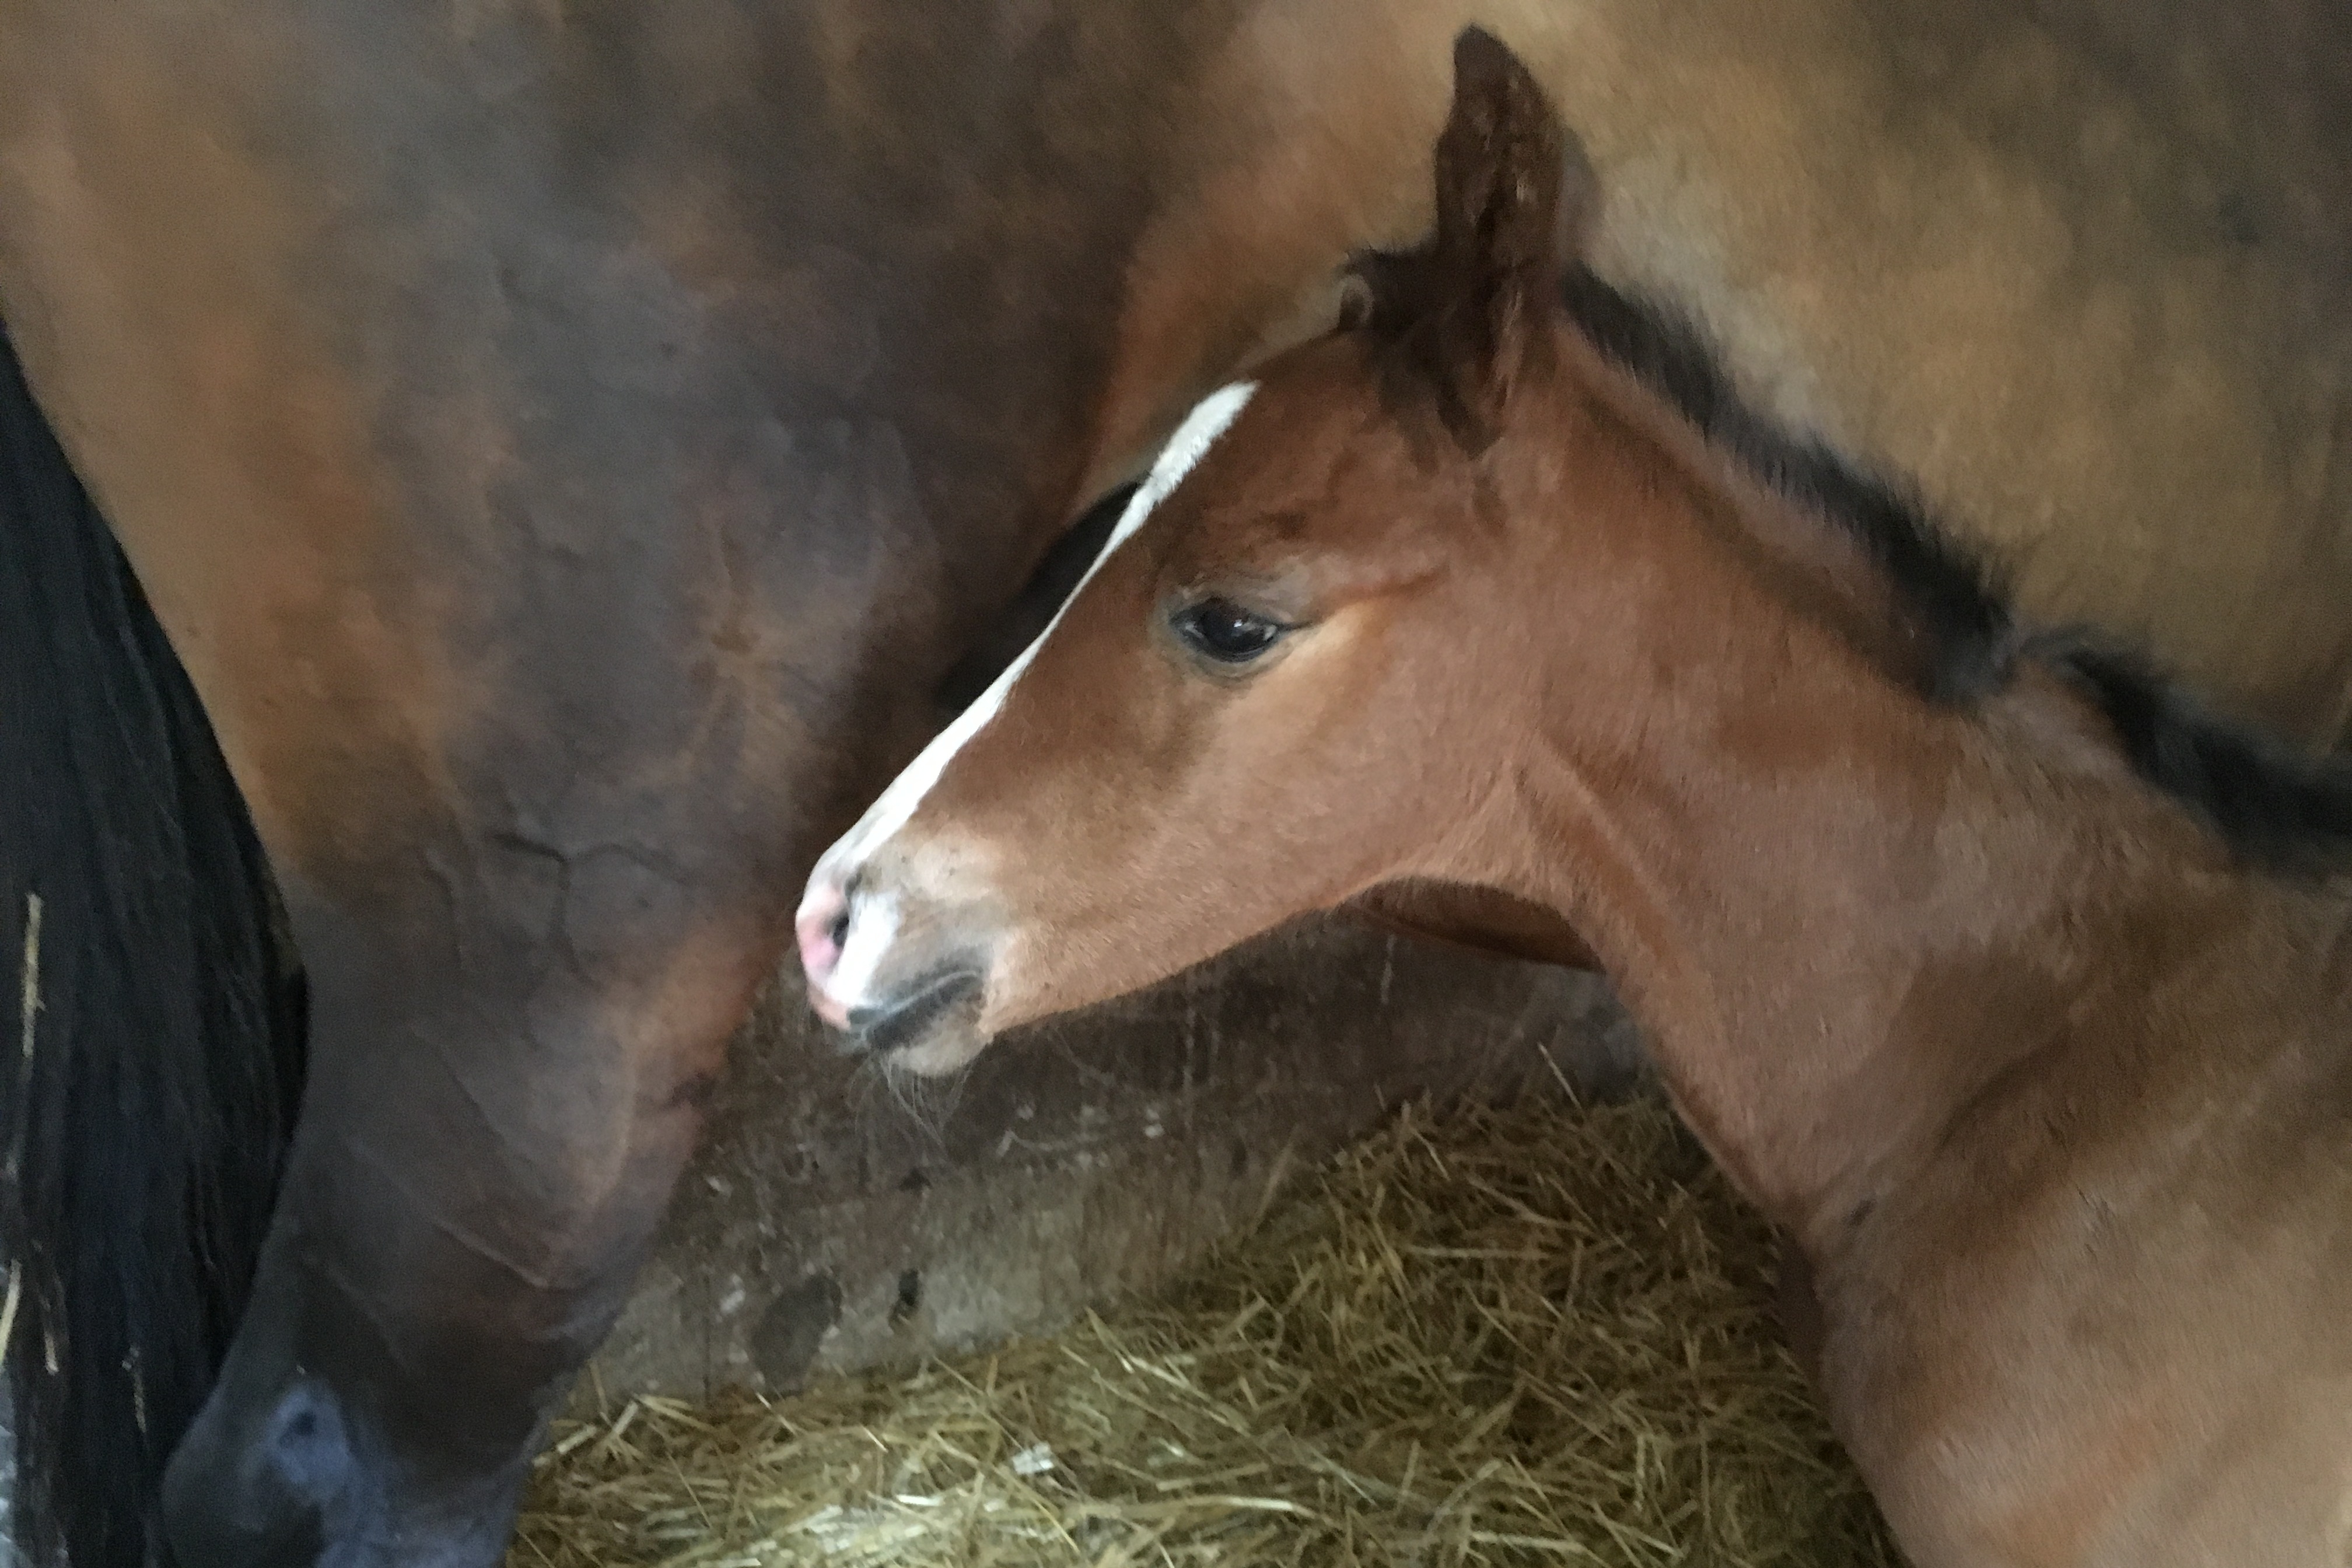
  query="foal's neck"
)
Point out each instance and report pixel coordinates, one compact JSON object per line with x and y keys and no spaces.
{"x":1842,"y":909}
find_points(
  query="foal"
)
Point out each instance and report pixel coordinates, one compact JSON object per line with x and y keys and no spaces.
{"x":1955,"y":946}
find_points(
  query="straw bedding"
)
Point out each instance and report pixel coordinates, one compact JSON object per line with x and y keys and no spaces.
{"x":1539,"y":1334}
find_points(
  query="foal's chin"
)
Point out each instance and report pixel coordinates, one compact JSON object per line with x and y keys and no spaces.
{"x":933,"y":1031}
{"x":946,"y":1049}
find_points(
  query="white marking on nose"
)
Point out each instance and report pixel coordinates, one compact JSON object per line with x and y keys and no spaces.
{"x":1210,"y":418}
{"x":872,"y":921}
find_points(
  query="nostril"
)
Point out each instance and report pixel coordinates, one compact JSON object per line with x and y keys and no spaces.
{"x":267,"y":1483}
{"x":821,"y":926}
{"x":306,"y":1447}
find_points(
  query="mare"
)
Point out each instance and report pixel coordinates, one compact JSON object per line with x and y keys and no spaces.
{"x":2007,"y":983}
{"x":509,"y":475}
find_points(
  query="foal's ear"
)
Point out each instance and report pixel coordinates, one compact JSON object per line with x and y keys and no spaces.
{"x":1515,"y":197}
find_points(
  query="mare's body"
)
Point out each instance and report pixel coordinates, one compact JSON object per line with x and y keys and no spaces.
{"x":565,"y":443}
{"x":2009,"y":984}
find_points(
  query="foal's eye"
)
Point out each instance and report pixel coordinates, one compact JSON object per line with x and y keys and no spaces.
{"x":1221,"y":630}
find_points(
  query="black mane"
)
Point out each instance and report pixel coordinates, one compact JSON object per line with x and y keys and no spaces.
{"x":2277,"y":806}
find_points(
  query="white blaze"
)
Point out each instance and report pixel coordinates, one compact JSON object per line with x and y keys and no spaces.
{"x":874,"y":923}
{"x":862,"y":946}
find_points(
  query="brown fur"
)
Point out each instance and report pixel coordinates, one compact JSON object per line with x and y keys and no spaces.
{"x":2047,"y":1086}
{"x":566,"y":439}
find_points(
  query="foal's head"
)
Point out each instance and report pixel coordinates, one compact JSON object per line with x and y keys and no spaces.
{"x":1299,"y":669}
